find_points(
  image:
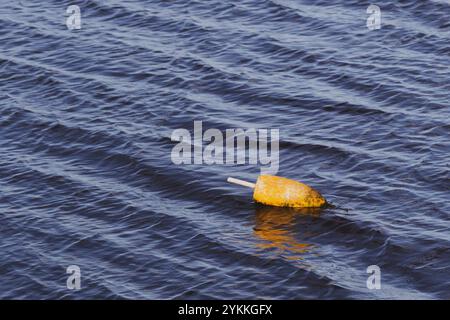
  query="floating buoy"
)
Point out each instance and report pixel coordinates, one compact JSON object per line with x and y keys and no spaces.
{"x":282,"y":192}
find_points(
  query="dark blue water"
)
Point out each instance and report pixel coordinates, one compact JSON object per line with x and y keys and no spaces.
{"x":86,"y":176}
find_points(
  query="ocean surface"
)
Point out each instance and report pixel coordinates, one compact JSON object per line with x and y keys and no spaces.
{"x":86,"y":176}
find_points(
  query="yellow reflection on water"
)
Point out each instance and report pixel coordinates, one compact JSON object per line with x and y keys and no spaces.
{"x":275,"y":226}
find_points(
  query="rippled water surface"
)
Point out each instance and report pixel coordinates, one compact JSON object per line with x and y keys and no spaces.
{"x":86,"y":176}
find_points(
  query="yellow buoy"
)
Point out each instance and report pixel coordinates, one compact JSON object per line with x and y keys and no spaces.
{"x":283,"y":192}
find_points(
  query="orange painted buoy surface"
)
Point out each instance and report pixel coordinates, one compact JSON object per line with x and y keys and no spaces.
{"x":283,"y":192}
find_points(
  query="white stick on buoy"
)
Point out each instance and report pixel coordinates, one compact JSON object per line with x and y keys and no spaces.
{"x":241,"y":182}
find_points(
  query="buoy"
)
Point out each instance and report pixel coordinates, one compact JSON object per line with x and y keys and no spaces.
{"x":282,"y":192}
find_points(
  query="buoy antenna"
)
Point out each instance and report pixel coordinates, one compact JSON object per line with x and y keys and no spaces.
{"x":241,"y":182}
